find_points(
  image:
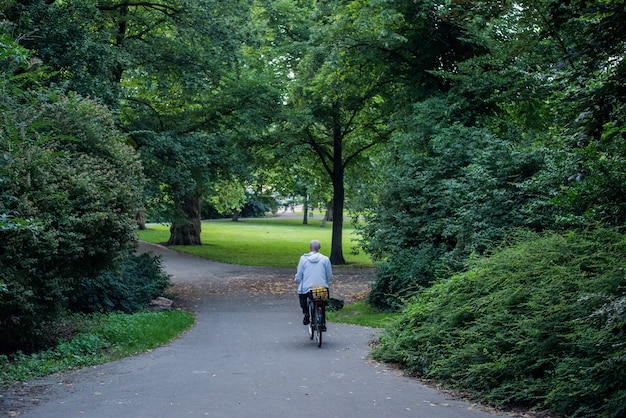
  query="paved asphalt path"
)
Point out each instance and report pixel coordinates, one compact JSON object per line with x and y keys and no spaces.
{"x":246,"y":356}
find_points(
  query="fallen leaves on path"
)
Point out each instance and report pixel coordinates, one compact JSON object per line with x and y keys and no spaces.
{"x":348,"y":284}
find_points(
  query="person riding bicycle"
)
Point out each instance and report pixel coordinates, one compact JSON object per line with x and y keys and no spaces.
{"x":314,"y":270}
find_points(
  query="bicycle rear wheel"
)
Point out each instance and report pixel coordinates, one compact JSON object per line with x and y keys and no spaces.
{"x":312,"y":319}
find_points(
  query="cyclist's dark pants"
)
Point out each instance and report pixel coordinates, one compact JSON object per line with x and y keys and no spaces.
{"x":304,"y":303}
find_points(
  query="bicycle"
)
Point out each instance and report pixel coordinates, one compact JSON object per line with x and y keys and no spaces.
{"x":318,"y":297}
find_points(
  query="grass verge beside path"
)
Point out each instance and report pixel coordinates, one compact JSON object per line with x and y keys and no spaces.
{"x":270,"y":242}
{"x":99,"y":339}
{"x":361,"y":313}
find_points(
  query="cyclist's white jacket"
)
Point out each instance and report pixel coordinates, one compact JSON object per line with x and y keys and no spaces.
{"x":314,"y":270}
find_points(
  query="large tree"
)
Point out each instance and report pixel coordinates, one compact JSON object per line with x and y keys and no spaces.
{"x":590,"y":77}
{"x":336,"y":107}
{"x":205,"y":95}
{"x":171,"y":69}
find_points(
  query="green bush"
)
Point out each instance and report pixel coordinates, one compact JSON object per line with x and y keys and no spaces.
{"x":128,"y":288}
{"x":450,"y":191}
{"x":403,"y":275}
{"x":540,"y":323}
{"x":74,"y":186}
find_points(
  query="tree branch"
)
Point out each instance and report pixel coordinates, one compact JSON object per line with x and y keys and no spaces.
{"x":163,"y":8}
{"x":319,"y":150}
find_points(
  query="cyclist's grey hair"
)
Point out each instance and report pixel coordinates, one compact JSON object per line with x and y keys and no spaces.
{"x":315,"y":245}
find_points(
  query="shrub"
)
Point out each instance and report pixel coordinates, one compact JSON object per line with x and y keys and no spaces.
{"x":67,"y":169}
{"x":128,"y":287}
{"x":458,"y":189}
{"x":539,"y":323}
{"x":403,"y":275}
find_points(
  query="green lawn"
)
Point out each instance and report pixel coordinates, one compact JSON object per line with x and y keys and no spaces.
{"x":272,"y":242}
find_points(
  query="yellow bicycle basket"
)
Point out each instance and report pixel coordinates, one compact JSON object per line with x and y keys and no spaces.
{"x":319,"y":293}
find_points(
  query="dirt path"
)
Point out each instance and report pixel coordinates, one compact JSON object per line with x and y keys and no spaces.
{"x":196,"y":279}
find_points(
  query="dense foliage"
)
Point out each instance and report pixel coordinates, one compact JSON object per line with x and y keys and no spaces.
{"x":127,"y":286}
{"x":172,"y":71}
{"x":518,"y":133}
{"x":524,"y":130}
{"x":71,"y":189}
{"x":451,"y":190}
{"x":540,"y":322}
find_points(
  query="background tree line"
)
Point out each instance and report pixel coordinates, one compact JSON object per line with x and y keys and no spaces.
{"x":448,"y":126}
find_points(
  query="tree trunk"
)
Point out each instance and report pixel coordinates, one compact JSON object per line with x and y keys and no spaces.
{"x":187,"y":231}
{"x":305,"y":219}
{"x":336,"y":252}
{"x":328,"y":216}
{"x":140,"y":217}
{"x":120,"y":39}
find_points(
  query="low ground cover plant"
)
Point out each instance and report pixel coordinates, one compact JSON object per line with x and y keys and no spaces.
{"x":99,"y":338}
{"x":539,"y":323}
